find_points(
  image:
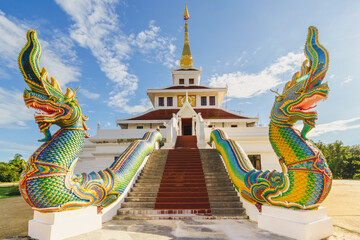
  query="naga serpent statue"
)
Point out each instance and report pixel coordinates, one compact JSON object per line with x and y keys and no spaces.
{"x":48,"y":182}
{"x":306,"y":179}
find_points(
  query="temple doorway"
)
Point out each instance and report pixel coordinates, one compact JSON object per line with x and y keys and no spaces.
{"x":186,"y":124}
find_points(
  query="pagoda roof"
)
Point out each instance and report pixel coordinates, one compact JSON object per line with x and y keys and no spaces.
{"x":206,"y":113}
{"x":188,"y":87}
{"x":187,"y":69}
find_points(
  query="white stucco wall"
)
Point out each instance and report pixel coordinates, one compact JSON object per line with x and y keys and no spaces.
{"x":103,"y":157}
{"x":254,"y":140}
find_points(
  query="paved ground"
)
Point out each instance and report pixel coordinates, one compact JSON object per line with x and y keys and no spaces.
{"x":14,"y":216}
{"x":179,"y":229}
{"x":342,"y":205}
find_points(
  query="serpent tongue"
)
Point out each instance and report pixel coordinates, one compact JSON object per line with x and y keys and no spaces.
{"x":308,"y":108}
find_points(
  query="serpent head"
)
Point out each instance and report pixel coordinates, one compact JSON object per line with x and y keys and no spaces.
{"x":46,"y":97}
{"x":300,"y":95}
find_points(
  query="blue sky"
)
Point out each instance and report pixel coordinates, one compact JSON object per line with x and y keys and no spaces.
{"x":115,"y":49}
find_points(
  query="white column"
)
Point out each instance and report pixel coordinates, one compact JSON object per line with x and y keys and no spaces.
{"x":180,"y":127}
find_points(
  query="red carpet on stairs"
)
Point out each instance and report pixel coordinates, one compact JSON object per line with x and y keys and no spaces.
{"x":183,"y":188}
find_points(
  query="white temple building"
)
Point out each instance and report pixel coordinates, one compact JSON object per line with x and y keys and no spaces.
{"x":184,"y":108}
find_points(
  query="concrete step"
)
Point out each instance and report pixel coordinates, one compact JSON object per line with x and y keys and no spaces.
{"x":223,"y":193}
{"x":219,"y":184}
{"x":218,"y":194}
{"x":138,"y":205}
{"x":224,"y":198}
{"x":188,"y":199}
{"x":129,"y":212}
{"x":150,"y":185}
{"x":226,"y":204}
{"x":140,"y":199}
{"x":144,"y":190}
{"x":151,"y":180}
{"x":229,"y":212}
{"x":174,"y":180}
{"x":159,"y":176}
{"x":182,"y":205}
{"x":170,"y":216}
{"x":152,"y":172}
{"x":173,"y":217}
{"x":177,"y":194}
{"x":215,"y":169}
{"x":148,"y":211}
{"x":142,"y":194}
{"x":194,"y":189}
{"x":182,"y":186}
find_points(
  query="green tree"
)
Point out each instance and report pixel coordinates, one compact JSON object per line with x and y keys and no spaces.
{"x":344,"y":161}
{"x":18,"y":163}
{"x":10,"y":172}
{"x":7,"y":173}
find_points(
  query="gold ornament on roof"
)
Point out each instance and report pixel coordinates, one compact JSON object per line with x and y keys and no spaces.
{"x":186,"y":14}
{"x":186,"y":61}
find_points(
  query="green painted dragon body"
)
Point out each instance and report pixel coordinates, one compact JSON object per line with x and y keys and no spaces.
{"x":306,"y":179}
{"x":48,"y":183}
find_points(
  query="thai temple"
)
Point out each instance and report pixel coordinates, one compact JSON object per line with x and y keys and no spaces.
{"x":202,"y":163}
{"x":185,"y":108}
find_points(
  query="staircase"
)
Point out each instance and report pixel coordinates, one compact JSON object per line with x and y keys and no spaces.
{"x":223,"y":198}
{"x":140,"y":202}
{"x":183,"y":187}
{"x":186,"y":142}
{"x":182,"y":182}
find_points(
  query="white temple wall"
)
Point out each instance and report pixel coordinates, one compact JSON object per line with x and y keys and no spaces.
{"x":195,"y":74}
{"x":186,"y":113}
{"x":103,"y":156}
{"x":100,"y":150}
{"x":224,"y":124}
{"x":198,"y":96}
{"x":146,"y":126}
{"x":254,"y":140}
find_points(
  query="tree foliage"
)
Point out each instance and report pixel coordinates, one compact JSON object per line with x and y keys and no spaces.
{"x":10,"y":172}
{"x":344,"y":161}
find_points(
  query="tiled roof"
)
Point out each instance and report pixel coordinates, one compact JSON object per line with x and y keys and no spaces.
{"x":206,"y":113}
{"x":187,"y":87}
{"x":186,"y":69}
{"x":216,"y":113}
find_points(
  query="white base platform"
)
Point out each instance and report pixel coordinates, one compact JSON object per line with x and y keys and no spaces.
{"x":298,"y":224}
{"x":60,"y":225}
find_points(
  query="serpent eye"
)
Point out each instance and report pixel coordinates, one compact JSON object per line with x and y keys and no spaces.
{"x":301,"y":91}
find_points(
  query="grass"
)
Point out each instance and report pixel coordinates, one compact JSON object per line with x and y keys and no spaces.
{"x":6,"y":192}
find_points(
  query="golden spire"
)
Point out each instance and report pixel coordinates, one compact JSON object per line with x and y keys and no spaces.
{"x":186,"y":58}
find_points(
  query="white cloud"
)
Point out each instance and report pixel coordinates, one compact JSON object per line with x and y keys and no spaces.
{"x":246,"y":85}
{"x":120,"y":99}
{"x":13,"y":111}
{"x":332,"y":76}
{"x":347,"y":80}
{"x":335,"y":126}
{"x":161,"y":47}
{"x":13,"y":38}
{"x":16,"y":147}
{"x":96,"y":26}
{"x":88,"y":94}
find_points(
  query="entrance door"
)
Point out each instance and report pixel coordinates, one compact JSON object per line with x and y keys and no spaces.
{"x":186,"y":126}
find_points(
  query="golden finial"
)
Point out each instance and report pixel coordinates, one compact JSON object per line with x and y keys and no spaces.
{"x":186,"y":14}
{"x":186,"y":58}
